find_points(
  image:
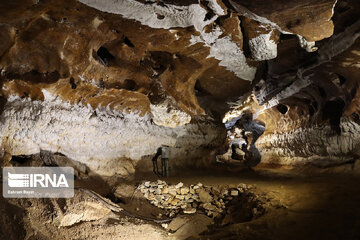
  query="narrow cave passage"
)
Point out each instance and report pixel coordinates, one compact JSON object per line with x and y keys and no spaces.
{"x":174,"y":120}
{"x":242,"y":133}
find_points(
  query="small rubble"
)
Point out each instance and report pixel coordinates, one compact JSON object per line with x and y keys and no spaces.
{"x":190,"y":199}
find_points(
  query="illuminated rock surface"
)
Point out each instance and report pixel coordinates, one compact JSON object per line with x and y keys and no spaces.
{"x":102,"y":84}
{"x":106,"y":83}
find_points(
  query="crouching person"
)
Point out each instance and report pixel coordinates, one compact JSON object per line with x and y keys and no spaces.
{"x":252,"y":156}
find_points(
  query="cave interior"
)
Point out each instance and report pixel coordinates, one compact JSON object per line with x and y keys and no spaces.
{"x":183,"y":119}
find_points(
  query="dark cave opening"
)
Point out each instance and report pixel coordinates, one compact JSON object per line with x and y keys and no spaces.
{"x":104,"y":56}
{"x":283,"y":109}
{"x":333,"y":111}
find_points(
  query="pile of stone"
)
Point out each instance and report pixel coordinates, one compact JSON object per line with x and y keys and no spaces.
{"x":190,"y":199}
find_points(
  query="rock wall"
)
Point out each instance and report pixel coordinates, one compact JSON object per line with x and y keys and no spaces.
{"x":317,"y":145}
{"x":310,"y":101}
{"x":108,"y":142}
{"x":317,"y":122}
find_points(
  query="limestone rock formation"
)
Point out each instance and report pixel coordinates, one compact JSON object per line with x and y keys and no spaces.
{"x":106,"y":83}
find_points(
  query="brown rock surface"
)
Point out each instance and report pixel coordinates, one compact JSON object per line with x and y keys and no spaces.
{"x":107,"y":83}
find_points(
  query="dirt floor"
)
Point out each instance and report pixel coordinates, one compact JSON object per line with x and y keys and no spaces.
{"x":297,"y":206}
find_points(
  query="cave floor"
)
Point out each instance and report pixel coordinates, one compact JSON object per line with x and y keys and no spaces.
{"x":304,"y":206}
{"x":298,"y":206}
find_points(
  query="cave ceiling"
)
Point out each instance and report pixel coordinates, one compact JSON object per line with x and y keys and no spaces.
{"x":202,"y":55}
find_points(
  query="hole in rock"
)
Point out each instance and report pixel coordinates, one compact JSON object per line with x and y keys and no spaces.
{"x":342,"y":79}
{"x":356,"y":118}
{"x":130,"y":85}
{"x":20,"y":159}
{"x":246,"y":45}
{"x":156,"y":62}
{"x":104,"y":56}
{"x":72,"y":83}
{"x":287,"y":36}
{"x":159,"y":16}
{"x":311,"y":110}
{"x":208,"y":16}
{"x":199,"y":89}
{"x":283,"y":109}
{"x":128,"y":42}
